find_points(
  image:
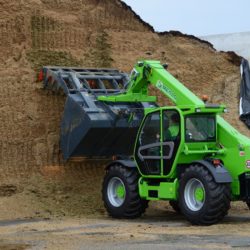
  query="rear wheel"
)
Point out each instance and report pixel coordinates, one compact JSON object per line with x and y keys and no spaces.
{"x":201,"y":199}
{"x":120,"y":193}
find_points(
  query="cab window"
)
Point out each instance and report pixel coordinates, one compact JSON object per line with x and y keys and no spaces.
{"x":200,"y":128}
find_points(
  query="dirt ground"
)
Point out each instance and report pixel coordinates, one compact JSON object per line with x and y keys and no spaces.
{"x":61,"y":208}
{"x":46,"y":203}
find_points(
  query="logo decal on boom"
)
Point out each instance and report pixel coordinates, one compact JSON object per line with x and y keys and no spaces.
{"x":166,"y":90}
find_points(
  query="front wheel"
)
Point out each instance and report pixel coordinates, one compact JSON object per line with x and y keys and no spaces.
{"x":201,"y":199}
{"x":120,"y":193}
{"x":175,"y":206}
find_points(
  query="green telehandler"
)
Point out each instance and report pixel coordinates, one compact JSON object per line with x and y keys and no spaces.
{"x":186,"y":154}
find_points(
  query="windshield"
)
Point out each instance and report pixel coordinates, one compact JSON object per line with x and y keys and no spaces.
{"x":200,"y":128}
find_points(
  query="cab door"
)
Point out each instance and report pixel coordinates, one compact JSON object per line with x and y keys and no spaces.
{"x":157,"y":144}
{"x":171,"y":138}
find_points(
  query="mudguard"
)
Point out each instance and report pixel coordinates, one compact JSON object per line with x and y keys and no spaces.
{"x":220,"y":174}
{"x":124,"y":163}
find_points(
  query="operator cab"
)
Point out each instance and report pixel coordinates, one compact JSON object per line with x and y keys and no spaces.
{"x":158,"y":141}
{"x":162,"y":133}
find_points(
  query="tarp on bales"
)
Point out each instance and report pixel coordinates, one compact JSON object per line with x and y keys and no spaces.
{"x":245,"y":92}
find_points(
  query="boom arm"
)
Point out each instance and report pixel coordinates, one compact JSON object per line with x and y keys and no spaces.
{"x":152,"y":72}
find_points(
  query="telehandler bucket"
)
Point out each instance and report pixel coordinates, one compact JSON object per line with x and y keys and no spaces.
{"x":92,"y":128}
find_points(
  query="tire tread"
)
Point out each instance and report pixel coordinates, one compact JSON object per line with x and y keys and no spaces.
{"x":135,"y":206}
{"x":219,"y":198}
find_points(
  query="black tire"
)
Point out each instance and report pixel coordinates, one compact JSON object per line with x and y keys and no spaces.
{"x":175,"y":206}
{"x":248,"y":204}
{"x":131,"y":205}
{"x":210,"y":203}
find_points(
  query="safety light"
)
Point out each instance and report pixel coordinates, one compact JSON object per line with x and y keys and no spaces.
{"x":204,"y":98}
{"x":40,"y":76}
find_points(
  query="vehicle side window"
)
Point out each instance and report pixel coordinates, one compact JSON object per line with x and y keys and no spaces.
{"x":150,"y":132}
{"x":200,"y":128}
{"x":149,"y":146}
{"x":171,"y":125}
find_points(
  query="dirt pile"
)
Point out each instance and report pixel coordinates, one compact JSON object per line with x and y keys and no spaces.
{"x":61,"y":32}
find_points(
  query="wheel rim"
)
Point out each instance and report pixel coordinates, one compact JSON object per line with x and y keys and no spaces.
{"x":116,"y":192}
{"x":194,"y":194}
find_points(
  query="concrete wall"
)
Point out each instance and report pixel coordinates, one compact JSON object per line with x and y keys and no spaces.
{"x":238,"y":42}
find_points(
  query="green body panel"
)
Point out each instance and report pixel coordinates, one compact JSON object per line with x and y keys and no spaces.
{"x":231,"y":147}
{"x":237,"y":152}
{"x":165,"y":190}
